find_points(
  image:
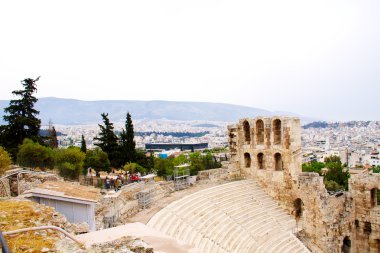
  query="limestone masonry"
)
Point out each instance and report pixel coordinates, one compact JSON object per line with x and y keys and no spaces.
{"x":268,"y":150}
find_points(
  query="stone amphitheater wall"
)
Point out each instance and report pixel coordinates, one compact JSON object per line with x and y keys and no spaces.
{"x":344,"y":222}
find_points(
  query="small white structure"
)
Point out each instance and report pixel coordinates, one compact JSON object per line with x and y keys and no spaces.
{"x":76,"y":202}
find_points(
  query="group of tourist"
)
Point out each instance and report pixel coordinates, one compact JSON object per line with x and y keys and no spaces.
{"x":115,"y":184}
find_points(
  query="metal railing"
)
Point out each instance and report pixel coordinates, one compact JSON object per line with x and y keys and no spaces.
{"x":81,"y":244}
{"x":3,"y":243}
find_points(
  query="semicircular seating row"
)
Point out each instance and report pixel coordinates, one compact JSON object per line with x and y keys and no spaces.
{"x":234,"y":217}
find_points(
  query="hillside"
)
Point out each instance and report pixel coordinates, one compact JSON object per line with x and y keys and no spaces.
{"x":71,"y":111}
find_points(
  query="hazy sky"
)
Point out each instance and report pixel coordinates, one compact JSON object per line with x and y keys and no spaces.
{"x":315,"y":58}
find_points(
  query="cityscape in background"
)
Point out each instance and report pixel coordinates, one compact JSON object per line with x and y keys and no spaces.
{"x":357,"y":143}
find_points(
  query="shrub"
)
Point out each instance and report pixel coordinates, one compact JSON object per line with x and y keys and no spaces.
{"x":5,"y":161}
{"x":69,"y":162}
{"x":32,"y":154}
{"x":332,"y":185}
{"x":98,"y":160}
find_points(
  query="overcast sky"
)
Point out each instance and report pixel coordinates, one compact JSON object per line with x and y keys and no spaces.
{"x":315,"y":58}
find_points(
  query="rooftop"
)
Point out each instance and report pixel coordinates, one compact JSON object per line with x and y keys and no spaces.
{"x":67,"y":190}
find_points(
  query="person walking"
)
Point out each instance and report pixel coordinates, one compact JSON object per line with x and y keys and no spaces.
{"x":108,"y":183}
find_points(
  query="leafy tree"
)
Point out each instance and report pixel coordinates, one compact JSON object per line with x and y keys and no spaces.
{"x":32,"y":154}
{"x":313,"y":167}
{"x":134,"y":168}
{"x":98,"y":160}
{"x":69,"y":162}
{"x":53,"y":141}
{"x":336,"y":172}
{"x":83,"y":146}
{"x":209,"y":161}
{"x":21,"y":117}
{"x":333,"y":159}
{"x":196,"y":163}
{"x":181,"y":159}
{"x":107,"y":141}
{"x":332,"y":185}
{"x":5,"y":160}
{"x":376,"y":169}
{"x":128,"y":145}
{"x":145,"y":160}
{"x":163,"y":167}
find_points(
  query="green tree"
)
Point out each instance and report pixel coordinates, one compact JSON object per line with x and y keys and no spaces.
{"x":336,"y":172}
{"x":196,"y":163}
{"x":209,"y":161}
{"x":128,"y":145}
{"x":69,"y":162}
{"x":83,"y":146}
{"x":134,"y":168}
{"x":32,"y":154}
{"x":5,"y":161}
{"x":145,"y":160}
{"x":332,"y":185}
{"x":376,"y":169}
{"x":163,"y":167}
{"x":53,"y":141}
{"x":333,"y":159}
{"x":181,"y":159}
{"x":108,"y":141}
{"x":98,"y":160}
{"x":313,"y":167}
{"x":21,"y":117}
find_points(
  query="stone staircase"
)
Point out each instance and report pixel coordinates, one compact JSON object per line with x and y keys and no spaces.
{"x":234,"y":217}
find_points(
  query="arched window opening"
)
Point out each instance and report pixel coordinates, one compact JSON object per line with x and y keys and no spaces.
{"x":298,"y":207}
{"x":375,"y":199}
{"x":260,"y":161}
{"x":278,"y":161}
{"x":367,"y":227}
{"x":260,"y":131}
{"x":277,"y":132}
{"x":247,"y":160}
{"x":346,"y":247}
{"x":357,"y":224}
{"x":247,"y":132}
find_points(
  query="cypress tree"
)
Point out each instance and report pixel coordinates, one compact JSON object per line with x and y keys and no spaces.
{"x":108,"y":141}
{"x":21,"y":117}
{"x":83,"y":146}
{"x":128,"y":145}
{"x":53,"y":138}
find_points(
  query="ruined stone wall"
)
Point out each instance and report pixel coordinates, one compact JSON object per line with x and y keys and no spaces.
{"x":5,"y":190}
{"x":367,"y":212}
{"x":227,"y":172}
{"x":269,"y":150}
{"x":325,"y":219}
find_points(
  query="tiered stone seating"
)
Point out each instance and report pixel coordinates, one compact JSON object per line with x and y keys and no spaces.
{"x":234,"y":217}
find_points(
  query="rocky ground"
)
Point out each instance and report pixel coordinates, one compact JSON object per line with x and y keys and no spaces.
{"x":122,"y":245}
{"x":19,"y":213}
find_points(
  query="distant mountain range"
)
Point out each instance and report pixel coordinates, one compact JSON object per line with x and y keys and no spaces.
{"x":349,"y":124}
{"x":72,"y":111}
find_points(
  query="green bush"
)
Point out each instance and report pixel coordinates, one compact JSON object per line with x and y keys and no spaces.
{"x":332,"y":185}
{"x":69,"y":162}
{"x":313,"y":167}
{"x":134,"y":168}
{"x":32,"y":154}
{"x":5,"y":160}
{"x":98,"y":160}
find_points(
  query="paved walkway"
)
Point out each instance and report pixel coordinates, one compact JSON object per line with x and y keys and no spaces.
{"x":160,"y":242}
